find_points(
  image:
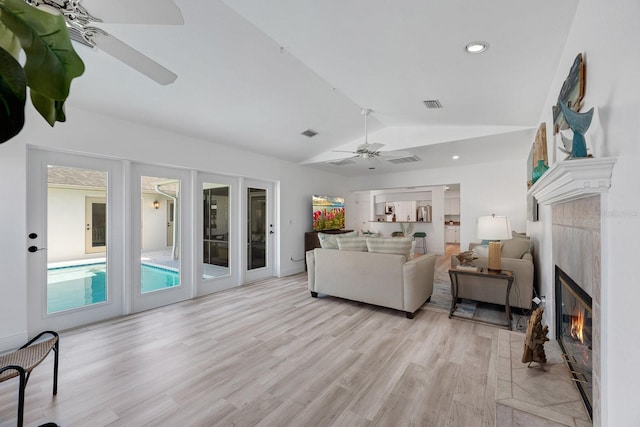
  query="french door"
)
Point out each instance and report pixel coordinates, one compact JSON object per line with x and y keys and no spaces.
{"x":160,"y":239}
{"x":75,"y":272}
{"x":217,"y":233}
{"x":259,"y":230}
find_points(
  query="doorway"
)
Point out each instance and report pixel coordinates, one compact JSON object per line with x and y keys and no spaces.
{"x":260,"y":230}
{"x":74,"y":277}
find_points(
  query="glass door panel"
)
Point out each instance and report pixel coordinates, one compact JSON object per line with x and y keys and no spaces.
{"x":257,"y":228}
{"x":96,"y":229}
{"x":260,"y":231}
{"x":160,"y":249}
{"x":76,"y":260}
{"x":216,"y":232}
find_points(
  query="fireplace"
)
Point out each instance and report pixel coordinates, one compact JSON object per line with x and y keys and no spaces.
{"x":574,"y":331}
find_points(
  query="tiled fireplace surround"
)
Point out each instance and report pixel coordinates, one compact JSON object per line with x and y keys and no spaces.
{"x":573,"y":190}
{"x":576,"y":250}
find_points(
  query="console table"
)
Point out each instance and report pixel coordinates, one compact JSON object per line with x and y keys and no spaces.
{"x":484,"y":273}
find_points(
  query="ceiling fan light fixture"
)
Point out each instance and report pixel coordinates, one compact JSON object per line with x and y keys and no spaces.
{"x":477,"y":47}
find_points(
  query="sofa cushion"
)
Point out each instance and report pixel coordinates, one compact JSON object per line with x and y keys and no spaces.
{"x":515,"y":248}
{"x":352,"y":243}
{"x":328,"y":241}
{"x":393,"y":245}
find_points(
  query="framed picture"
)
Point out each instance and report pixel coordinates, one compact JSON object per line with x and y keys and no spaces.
{"x":571,"y":93}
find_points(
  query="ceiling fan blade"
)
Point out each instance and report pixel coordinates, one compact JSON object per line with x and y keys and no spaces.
{"x":392,"y":154}
{"x":133,"y":58}
{"x":343,"y":151}
{"x":162,"y":12}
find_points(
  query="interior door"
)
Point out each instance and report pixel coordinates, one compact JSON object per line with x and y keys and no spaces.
{"x":69,"y":286}
{"x":160,"y":273}
{"x":260,"y":230}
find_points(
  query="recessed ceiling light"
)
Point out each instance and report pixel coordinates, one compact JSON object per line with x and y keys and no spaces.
{"x":371,"y":169}
{"x":310,"y":133}
{"x":456,"y":157}
{"x":477,"y":47}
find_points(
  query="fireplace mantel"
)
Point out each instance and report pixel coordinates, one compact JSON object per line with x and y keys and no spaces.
{"x":573,"y":179}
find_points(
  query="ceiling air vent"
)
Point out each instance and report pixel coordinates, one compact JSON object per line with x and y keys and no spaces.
{"x":432,"y":103}
{"x":403,"y":160}
{"x":343,"y":162}
{"x":309,"y":133}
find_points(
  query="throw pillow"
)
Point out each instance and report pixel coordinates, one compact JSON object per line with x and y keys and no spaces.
{"x":393,"y":245}
{"x":481,"y":251}
{"x":352,"y":243}
{"x":328,"y":241}
{"x":515,"y":248}
{"x":412,"y":251}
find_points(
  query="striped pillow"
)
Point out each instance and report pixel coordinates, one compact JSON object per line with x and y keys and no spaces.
{"x":328,"y":241}
{"x":352,"y":243}
{"x":394,"y":245}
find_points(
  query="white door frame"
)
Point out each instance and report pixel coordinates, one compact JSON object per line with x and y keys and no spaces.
{"x":270,"y":269}
{"x":146,"y":301}
{"x":37,"y":317}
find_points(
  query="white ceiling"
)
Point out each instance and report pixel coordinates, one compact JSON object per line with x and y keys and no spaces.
{"x":255,"y":74}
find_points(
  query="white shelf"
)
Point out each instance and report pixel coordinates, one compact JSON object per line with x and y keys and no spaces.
{"x":573,"y":179}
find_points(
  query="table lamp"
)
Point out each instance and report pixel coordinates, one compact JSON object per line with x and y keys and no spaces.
{"x":494,"y":228}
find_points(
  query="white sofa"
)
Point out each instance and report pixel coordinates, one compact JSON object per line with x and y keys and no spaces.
{"x":382,"y":279}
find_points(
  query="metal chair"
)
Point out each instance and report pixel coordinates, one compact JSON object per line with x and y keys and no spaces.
{"x":21,"y":362}
{"x":423,"y":236}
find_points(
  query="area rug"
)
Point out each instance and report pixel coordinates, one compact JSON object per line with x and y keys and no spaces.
{"x":473,"y":310}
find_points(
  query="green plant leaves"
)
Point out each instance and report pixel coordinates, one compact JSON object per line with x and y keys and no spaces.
{"x":13,"y":87}
{"x":51,"y":62}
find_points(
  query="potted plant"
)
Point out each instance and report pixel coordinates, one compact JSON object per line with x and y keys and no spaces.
{"x":50,"y":64}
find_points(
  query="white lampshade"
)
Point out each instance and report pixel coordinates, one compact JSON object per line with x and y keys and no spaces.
{"x":494,"y":227}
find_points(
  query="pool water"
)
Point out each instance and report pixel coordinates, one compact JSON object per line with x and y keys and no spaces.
{"x":81,"y":285}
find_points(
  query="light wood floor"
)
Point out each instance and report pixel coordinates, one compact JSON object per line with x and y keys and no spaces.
{"x":268,"y":354}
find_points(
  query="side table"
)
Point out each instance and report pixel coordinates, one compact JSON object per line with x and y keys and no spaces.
{"x":507,"y":275}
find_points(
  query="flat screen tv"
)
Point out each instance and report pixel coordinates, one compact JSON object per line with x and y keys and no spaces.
{"x":328,"y":213}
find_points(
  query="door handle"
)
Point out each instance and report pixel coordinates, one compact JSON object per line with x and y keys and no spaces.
{"x":270,"y":231}
{"x":33,"y":249}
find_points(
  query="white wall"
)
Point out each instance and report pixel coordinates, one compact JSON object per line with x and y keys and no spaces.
{"x":498,"y":188}
{"x":66,"y":219}
{"x":607,"y":33}
{"x":85,"y":132}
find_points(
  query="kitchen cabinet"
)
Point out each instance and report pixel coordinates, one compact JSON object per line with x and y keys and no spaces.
{"x":452,"y":206}
{"x":452,"y":234}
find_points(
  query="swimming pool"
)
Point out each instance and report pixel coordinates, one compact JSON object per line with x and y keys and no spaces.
{"x":81,"y":285}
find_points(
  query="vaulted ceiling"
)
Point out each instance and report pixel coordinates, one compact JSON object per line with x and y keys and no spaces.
{"x":255,"y":74}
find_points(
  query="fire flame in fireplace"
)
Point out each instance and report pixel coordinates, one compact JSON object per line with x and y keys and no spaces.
{"x":577,"y":323}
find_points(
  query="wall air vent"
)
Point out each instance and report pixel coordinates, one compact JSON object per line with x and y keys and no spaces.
{"x":403,"y":160}
{"x":343,"y":162}
{"x":432,"y":103}
{"x":309,"y":133}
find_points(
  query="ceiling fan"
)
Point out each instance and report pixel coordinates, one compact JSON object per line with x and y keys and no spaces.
{"x":372,"y":151}
{"x":80,"y":14}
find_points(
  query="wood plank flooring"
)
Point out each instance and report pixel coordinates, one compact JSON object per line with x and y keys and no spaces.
{"x":267,"y":354}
